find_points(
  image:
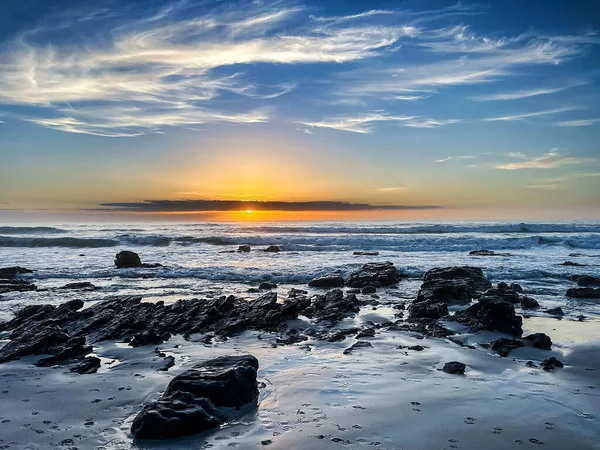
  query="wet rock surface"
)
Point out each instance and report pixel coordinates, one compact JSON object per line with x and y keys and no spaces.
{"x":487,"y":253}
{"x":8,"y":285}
{"x":540,"y":340}
{"x":585,"y":280}
{"x":375,"y":274}
{"x":586,"y":292}
{"x":327,"y":281}
{"x":90,"y":364}
{"x":454,"y":367}
{"x":504,"y":346}
{"x":493,"y":315}
{"x":126,"y":259}
{"x":8,"y":273}
{"x":84,"y":285}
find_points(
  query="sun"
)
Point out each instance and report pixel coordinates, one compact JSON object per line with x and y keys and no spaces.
{"x":249,"y":211}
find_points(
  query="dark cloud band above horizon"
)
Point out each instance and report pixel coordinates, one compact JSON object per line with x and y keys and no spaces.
{"x":239,"y":205}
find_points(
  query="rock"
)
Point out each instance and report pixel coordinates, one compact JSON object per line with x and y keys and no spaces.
{"x":374,"y":274}
{"x":266,"y":301}
{"x":551,"y":364}
{"x":169,"y":362}
{"x":266,"y":285}
{"x":72,"y":349}
{"x":40,"y":340}
{"x":16,"y":286}
{"x":126,"y":259}
{"x":151,"y":265}
{"x":369,"y":290}
{"x":573,"y":264}
{"x":427,"y":309}
{"x":357,"y":345}
{"x":294,"y":293}
{"x":332,"y":306}
{"x":327,"y":281}
{"x":367,"y":332}
{"x":583,"y":293}
{"x":244,"y":248}
{"x":454,"y":367}
{"x":272,"y":249}
{"x":90,"y":364}
{"x":149,"y":337}
{"x":529,"y":303}
{"x":555,"y":311}
{"x":503,"y":286}
{"x":585,"y":280}
{"x":365,"y":253}
{"x":8,"y":273}
{"x":86,"y":285}
{"x":487,"y":253}
{"x":226,"y":381}
{"x":493,"y":315}
{"x":540,"y":340}
{"x":473,"y":275}
{"x":503,"y":346}
{"x":516,"y":287}
{"x":174,"y":415}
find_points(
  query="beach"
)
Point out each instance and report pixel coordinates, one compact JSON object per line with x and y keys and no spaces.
{"x":317,"y":389}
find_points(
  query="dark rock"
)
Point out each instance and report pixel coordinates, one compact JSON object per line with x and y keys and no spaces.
{"x":374,"y":274}
{"x":82,"y":285}
{"x":339,"y":335}
{"x":493,"y":315}
{"x":369,"y":290}
{"x":487,"y":253}
{"x":531,"y":364}
{"x":266,"y":285}
{"x":169,"y":362}
{"x":126,"y":258}
{"x":90,"y":364}
{"x":555,"y":311}
{"x":72,"y":349}
{"x":357,"y":345}
{"x":529,"y":303}
{"x":149,"y":337}
{"x":540,"y":340}
{"x":8,"y":273}
{"x":272,"y":249}
{"x":16,"y":286}
{"x":226,"y":381}
{"x":585,"y":280}
{"x":327,"y":281}
{"x":266,"y":301}
{"x":174,"y":415}
{"x":427,"y":309}
{"x":332,"y":306}
{"x":551,"y":364}
{"x":151,"y":265}
{"x":244,"y":248}
{"x":503,"y":286}
{"x":583,"y":293}
{"x":454,"y":367}
{"x":503,"y":346}
{"x":40,"y":340}
{"x":365,"y":253}
{"x":474,"y":276}
{"x":367,"y":332}
{"x":507,"y":295}
{"x":572,"y":263}
{"x":294,"y":293}
{"x":516,"y":287}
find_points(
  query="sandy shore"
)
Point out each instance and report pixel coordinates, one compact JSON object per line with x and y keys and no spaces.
{"x":315,"y":397}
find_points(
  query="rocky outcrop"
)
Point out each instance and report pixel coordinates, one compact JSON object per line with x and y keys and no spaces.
{"x":267,"y":285}
{"x":127,"y":259}
{"x":332,"y":306}
{"x":585,"y":280}
{"x":8,"y":273}
{"x":327,"y":281}
{"x":90,"y":364}
{"x":540,"y":340}
{"x":47,"y":339}
{"x":149,"y":337}
{"x":427,"y":310}
{"x":272,"y":249}
{"x":555,"y":311}
{"x":357,"y":345}
{"x":84,"y":285}
{"x":529,"y":303}
{"x":503,"y":346}
{"x":487,"y":253}
{"x":551,"y":363}
{"x":454,"y":367}
{"x":374,"y":274}
{"x":586,"y":292}
{"x":244,"y":248}
{"x":188,"y":405}
{"x":16,"y":286}
{"x":493,"y":315}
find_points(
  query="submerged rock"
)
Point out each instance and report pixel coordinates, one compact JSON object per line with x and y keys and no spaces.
{"x":374,"y":274}
{"x":585,"y":280}
{"x":555,"y":311}
{"x":272,"y":249}
{"x":454,"y":367}
{"x":540,"y":340}
{"x":16,"y":286}
{"x":327,"y":281}
{"x":487,"y":253}
{"x":244,"y":248}
{"x":583,"y":293}
{"x":572,"y":264}
{"x":126,"y":259}
{"x":86,"y":285}
{"x":529,"y":303}
{"x":8,"y":273}
{"x":551,"y":364}
{"x":359,"y":253}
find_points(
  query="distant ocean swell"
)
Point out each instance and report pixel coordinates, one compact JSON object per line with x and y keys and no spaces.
{"x":327,"y":242}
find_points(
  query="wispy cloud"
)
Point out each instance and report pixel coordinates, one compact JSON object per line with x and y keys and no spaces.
{"x":578,"y":123}
{"x":550,"y":160}
{"x":522,"y":116}
{"x":364,"y":123}
{"x":516,"y":155}
{"x":516,"y":95}
{"x":391,"y":189}
{"x":558,"y":182}
{"x":443,"y":159}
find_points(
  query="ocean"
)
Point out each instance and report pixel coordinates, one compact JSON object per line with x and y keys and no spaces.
{"x":200,"y":259}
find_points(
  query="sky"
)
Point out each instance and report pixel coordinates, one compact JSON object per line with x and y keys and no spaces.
{"x":328,"y":109}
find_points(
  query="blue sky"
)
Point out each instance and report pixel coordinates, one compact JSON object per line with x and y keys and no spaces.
{"x":470,"y":106}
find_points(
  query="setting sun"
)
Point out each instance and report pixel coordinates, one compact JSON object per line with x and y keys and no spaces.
{"x":249,"y":211}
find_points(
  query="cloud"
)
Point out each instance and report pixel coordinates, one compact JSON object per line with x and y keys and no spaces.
{"x":558,"y":182}
{"x":532,"y":114}
{"x":170,"y":66}
{"x":516,"y":95}
{"x":364,"y":123}
{"x":516,"y":155}
{"x":578,"y":123}
{"x":239,"y":205}
{"x":391,"y":189}
{"x":550,"y":160}
{"x":443,"y":159}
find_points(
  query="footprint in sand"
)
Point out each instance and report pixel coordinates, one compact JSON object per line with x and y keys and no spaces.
{"x":535,"y":441}
{"x":549,"y":426}
{"x":415,"y":403}
{"x":470,"y":420}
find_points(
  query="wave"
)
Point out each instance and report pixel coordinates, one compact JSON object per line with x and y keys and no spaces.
{"x":57,"y":242}
{"x":432,"y":229}
{"x":31,"y":230}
